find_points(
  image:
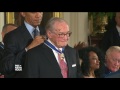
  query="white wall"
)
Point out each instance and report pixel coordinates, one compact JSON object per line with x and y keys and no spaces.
{"x":1,"y":23}
{"x":78,"y":22}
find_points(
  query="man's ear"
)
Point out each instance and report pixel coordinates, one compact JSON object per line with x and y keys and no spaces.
{"x":49,"y":34}
{"x":2,"y":35}
{"x":23,"y":14}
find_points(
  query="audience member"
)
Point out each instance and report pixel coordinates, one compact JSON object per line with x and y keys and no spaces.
{"x":6,"y":28}
{"x":112,"y":60}
{"x":92,"y":62}
{"x":54,"y":58}
{"x":114,"y":75}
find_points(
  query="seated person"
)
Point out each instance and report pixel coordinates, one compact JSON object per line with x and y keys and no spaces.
{"x":92,"y":65}
{"x":112,"y":63}
{"x":114,"y":75}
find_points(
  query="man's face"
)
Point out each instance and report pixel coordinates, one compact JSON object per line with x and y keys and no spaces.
{"x":113,"y":61}
{"x":60,"y":35}
{"x":33,"y":18}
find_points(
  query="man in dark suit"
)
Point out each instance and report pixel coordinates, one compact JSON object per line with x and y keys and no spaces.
{"x":44,"y":61}
{"x":114,"y":75}
{"x":19,"y":41}
{"x":112,"y":62}
{"x":112,"y":36}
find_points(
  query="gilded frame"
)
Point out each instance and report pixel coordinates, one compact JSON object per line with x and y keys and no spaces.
{"x":9,"y":18}
{"x":58,"y":14}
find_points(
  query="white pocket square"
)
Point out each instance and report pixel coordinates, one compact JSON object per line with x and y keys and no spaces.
{"x":74,"y":65}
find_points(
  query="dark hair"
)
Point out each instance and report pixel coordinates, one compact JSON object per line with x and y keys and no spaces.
{"x":85,"y":66}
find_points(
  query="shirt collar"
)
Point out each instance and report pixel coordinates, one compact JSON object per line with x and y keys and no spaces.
{"x":31,"y":28}
{"x":118,"y":28}
{"x":2,"y":43}
{"x":54,"y":45}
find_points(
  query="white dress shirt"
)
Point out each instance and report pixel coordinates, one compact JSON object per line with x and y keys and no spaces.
{"x":55,"y":52}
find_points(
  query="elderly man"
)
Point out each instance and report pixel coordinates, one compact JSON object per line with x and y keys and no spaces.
{"x":54,"y":58}
{"x":112,"y":60}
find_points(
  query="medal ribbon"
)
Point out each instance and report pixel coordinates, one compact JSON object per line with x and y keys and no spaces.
{"x":53,"y":47}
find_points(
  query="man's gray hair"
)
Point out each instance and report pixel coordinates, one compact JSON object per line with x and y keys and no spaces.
{"x":113,"y":49}
{"x":50,"y":23}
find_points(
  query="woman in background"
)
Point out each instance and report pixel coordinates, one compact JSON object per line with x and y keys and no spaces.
{"x":92,"y":65}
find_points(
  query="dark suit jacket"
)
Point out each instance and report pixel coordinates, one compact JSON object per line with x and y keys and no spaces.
{"x":1,"y":50}
{"x":111,"y":38}
{"x":41,"y":63}
{"x":114,"y":75}
{"x":15,"y":43}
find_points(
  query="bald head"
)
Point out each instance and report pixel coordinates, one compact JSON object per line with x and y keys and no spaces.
{"x":7,"y":28}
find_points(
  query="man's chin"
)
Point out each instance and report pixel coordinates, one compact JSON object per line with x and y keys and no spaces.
{"x":62,"y":46}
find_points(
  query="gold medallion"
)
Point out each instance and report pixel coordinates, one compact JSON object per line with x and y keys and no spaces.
{"x":62,"y":56}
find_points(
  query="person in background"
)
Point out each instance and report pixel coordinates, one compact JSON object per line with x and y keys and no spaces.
{"x":112,"y":60}
{"x":54,"y":58}
{"x":112,"y":35}
{"x":6,"y":29}
{"x":92,"y":62}
{"x":19,"y":41}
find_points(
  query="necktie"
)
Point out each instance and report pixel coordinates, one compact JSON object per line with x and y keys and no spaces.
{"x":63,"y":66}
{"x":36,"y":33}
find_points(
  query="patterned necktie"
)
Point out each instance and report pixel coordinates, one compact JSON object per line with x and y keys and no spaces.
{"x":63,"y":66}
{"x":36,"y":33}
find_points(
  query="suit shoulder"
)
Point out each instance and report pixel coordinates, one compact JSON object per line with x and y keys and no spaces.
{"x":70,"y":48}
{"x":36,"y":49}
{"x":14,"y":32}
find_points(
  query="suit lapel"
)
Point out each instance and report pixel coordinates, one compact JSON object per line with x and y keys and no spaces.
{"x":42,"y":31}
{"x":51,"y":58}
{"x":26,"y":35}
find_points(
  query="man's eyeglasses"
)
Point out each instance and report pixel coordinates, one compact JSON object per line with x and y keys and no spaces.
{"x":68,"y":34}
{"x":116,"y":60}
